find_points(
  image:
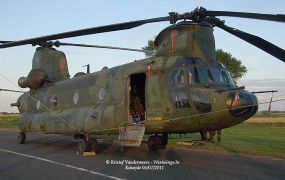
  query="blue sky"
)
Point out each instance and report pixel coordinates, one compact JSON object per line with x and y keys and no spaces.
{"x":25,"y":19}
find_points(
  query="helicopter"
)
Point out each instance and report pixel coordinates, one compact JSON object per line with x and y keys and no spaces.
{"x":183,"y":88}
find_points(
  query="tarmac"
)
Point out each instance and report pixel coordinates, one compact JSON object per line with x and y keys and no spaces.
{"x":54,"y":157}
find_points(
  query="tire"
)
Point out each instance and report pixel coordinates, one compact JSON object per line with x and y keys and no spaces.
{"x":151,"y":143}
{"x":21,"y":138}
{"x":157,"y":142}
{"x":83,"y":146}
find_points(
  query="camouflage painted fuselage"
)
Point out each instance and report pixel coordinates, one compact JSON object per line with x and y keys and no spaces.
{"x":98,"y":103}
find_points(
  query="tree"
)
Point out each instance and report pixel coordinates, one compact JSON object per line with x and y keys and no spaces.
{"x":150,"y":49}
{"x":234,"y":65}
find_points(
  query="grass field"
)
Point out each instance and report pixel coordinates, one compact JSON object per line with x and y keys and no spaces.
{"x":262,"y":136}
{"x":9,"y":121}
{"x":267,"y":120}
{"x":270,"y":114}
{"x":251,"y":139}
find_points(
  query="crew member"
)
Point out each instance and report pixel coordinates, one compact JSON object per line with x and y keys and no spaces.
{"x":203,"y":135}
{"x":136,"y":109}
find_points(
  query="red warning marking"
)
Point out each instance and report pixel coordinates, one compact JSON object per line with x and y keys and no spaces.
{"x":173,"y":33}
{"x":235,"y":102}
{"x":148,"y":70}
{"x":63,"y":65}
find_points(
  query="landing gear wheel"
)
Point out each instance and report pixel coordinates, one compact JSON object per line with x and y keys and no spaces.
{"x":21,"y":138}
{"x":83,"y":146}
{"x":151,"y":143}
{"x":157,"y":142}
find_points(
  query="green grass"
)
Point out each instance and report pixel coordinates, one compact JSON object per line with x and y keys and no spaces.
{"x":251,"y":139}
{"x":270,"y":114}
{"x":9,"y":121}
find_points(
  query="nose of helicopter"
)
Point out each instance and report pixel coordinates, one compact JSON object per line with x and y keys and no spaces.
{"x":242,"y":104}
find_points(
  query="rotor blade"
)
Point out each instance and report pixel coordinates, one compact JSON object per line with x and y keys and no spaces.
{"x":98,"y":46}
{"x":272,"y":101}
{"x":57,"y":43}
{"x":5,"y":41}
{"x":260,"y":92}
{"x":267,"y":17}
{"x":88,"y":31}
{"x":10,"y":90}
{"x":256,"y":41}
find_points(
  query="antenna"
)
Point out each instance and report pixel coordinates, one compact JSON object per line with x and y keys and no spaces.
{"x":88,"y":68}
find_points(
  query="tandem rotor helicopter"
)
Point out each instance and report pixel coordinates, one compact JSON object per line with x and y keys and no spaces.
{"x":183,"y":88}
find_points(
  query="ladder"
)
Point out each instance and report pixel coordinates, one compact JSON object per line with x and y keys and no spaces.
{"x":131,"y":134}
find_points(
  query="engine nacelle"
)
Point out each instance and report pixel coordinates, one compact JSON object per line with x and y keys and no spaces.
{"x":35,"y":79}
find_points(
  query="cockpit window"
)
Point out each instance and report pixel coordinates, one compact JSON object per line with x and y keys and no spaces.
{"x":178,"y":78}
{"x":192,"y":78}
{"x":181,"y":79}
{"x":194,"y":71}
{"x":222,"y":75}
{"x":219,"y":76}
{"x":203,"y":72}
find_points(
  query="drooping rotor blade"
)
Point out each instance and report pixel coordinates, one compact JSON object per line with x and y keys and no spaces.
{"x":57,"y":44}
{"x":88,"y":31}
{"x":256,"y":41}
{"x":261,"y":92}
{"x":98,"y":46}
{"x":10,"y":90}
{"x":5,"y":41}
{"x":267,"y":17}
{"x":272,"y":101}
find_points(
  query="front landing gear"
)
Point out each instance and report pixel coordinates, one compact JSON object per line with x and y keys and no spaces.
{"x":157,"y":141}
{"x":86,"y":144}
{"x":22,"y":138}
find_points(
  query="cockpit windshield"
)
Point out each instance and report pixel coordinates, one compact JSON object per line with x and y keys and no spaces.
{"x":194,"y":71}
{"x":221,"y":75}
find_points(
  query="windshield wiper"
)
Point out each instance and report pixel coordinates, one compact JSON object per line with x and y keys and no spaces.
{"x":228,"y":89}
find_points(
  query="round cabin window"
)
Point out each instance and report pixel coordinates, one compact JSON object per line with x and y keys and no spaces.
{"x":38,"y":104}
{"x":76,"y":97}
{"x":101,"y":94}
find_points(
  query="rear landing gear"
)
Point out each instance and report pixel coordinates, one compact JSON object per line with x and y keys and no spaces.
{"x":157,"y":141}
{"x":83,"y":146}
{"x":87,"y":144}
{"x":21,"y":138}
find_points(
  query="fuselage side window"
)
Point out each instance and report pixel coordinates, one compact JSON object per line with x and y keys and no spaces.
{"x":172,"y":79}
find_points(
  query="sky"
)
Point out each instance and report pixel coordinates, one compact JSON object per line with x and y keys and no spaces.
{"x":27,"y":19}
